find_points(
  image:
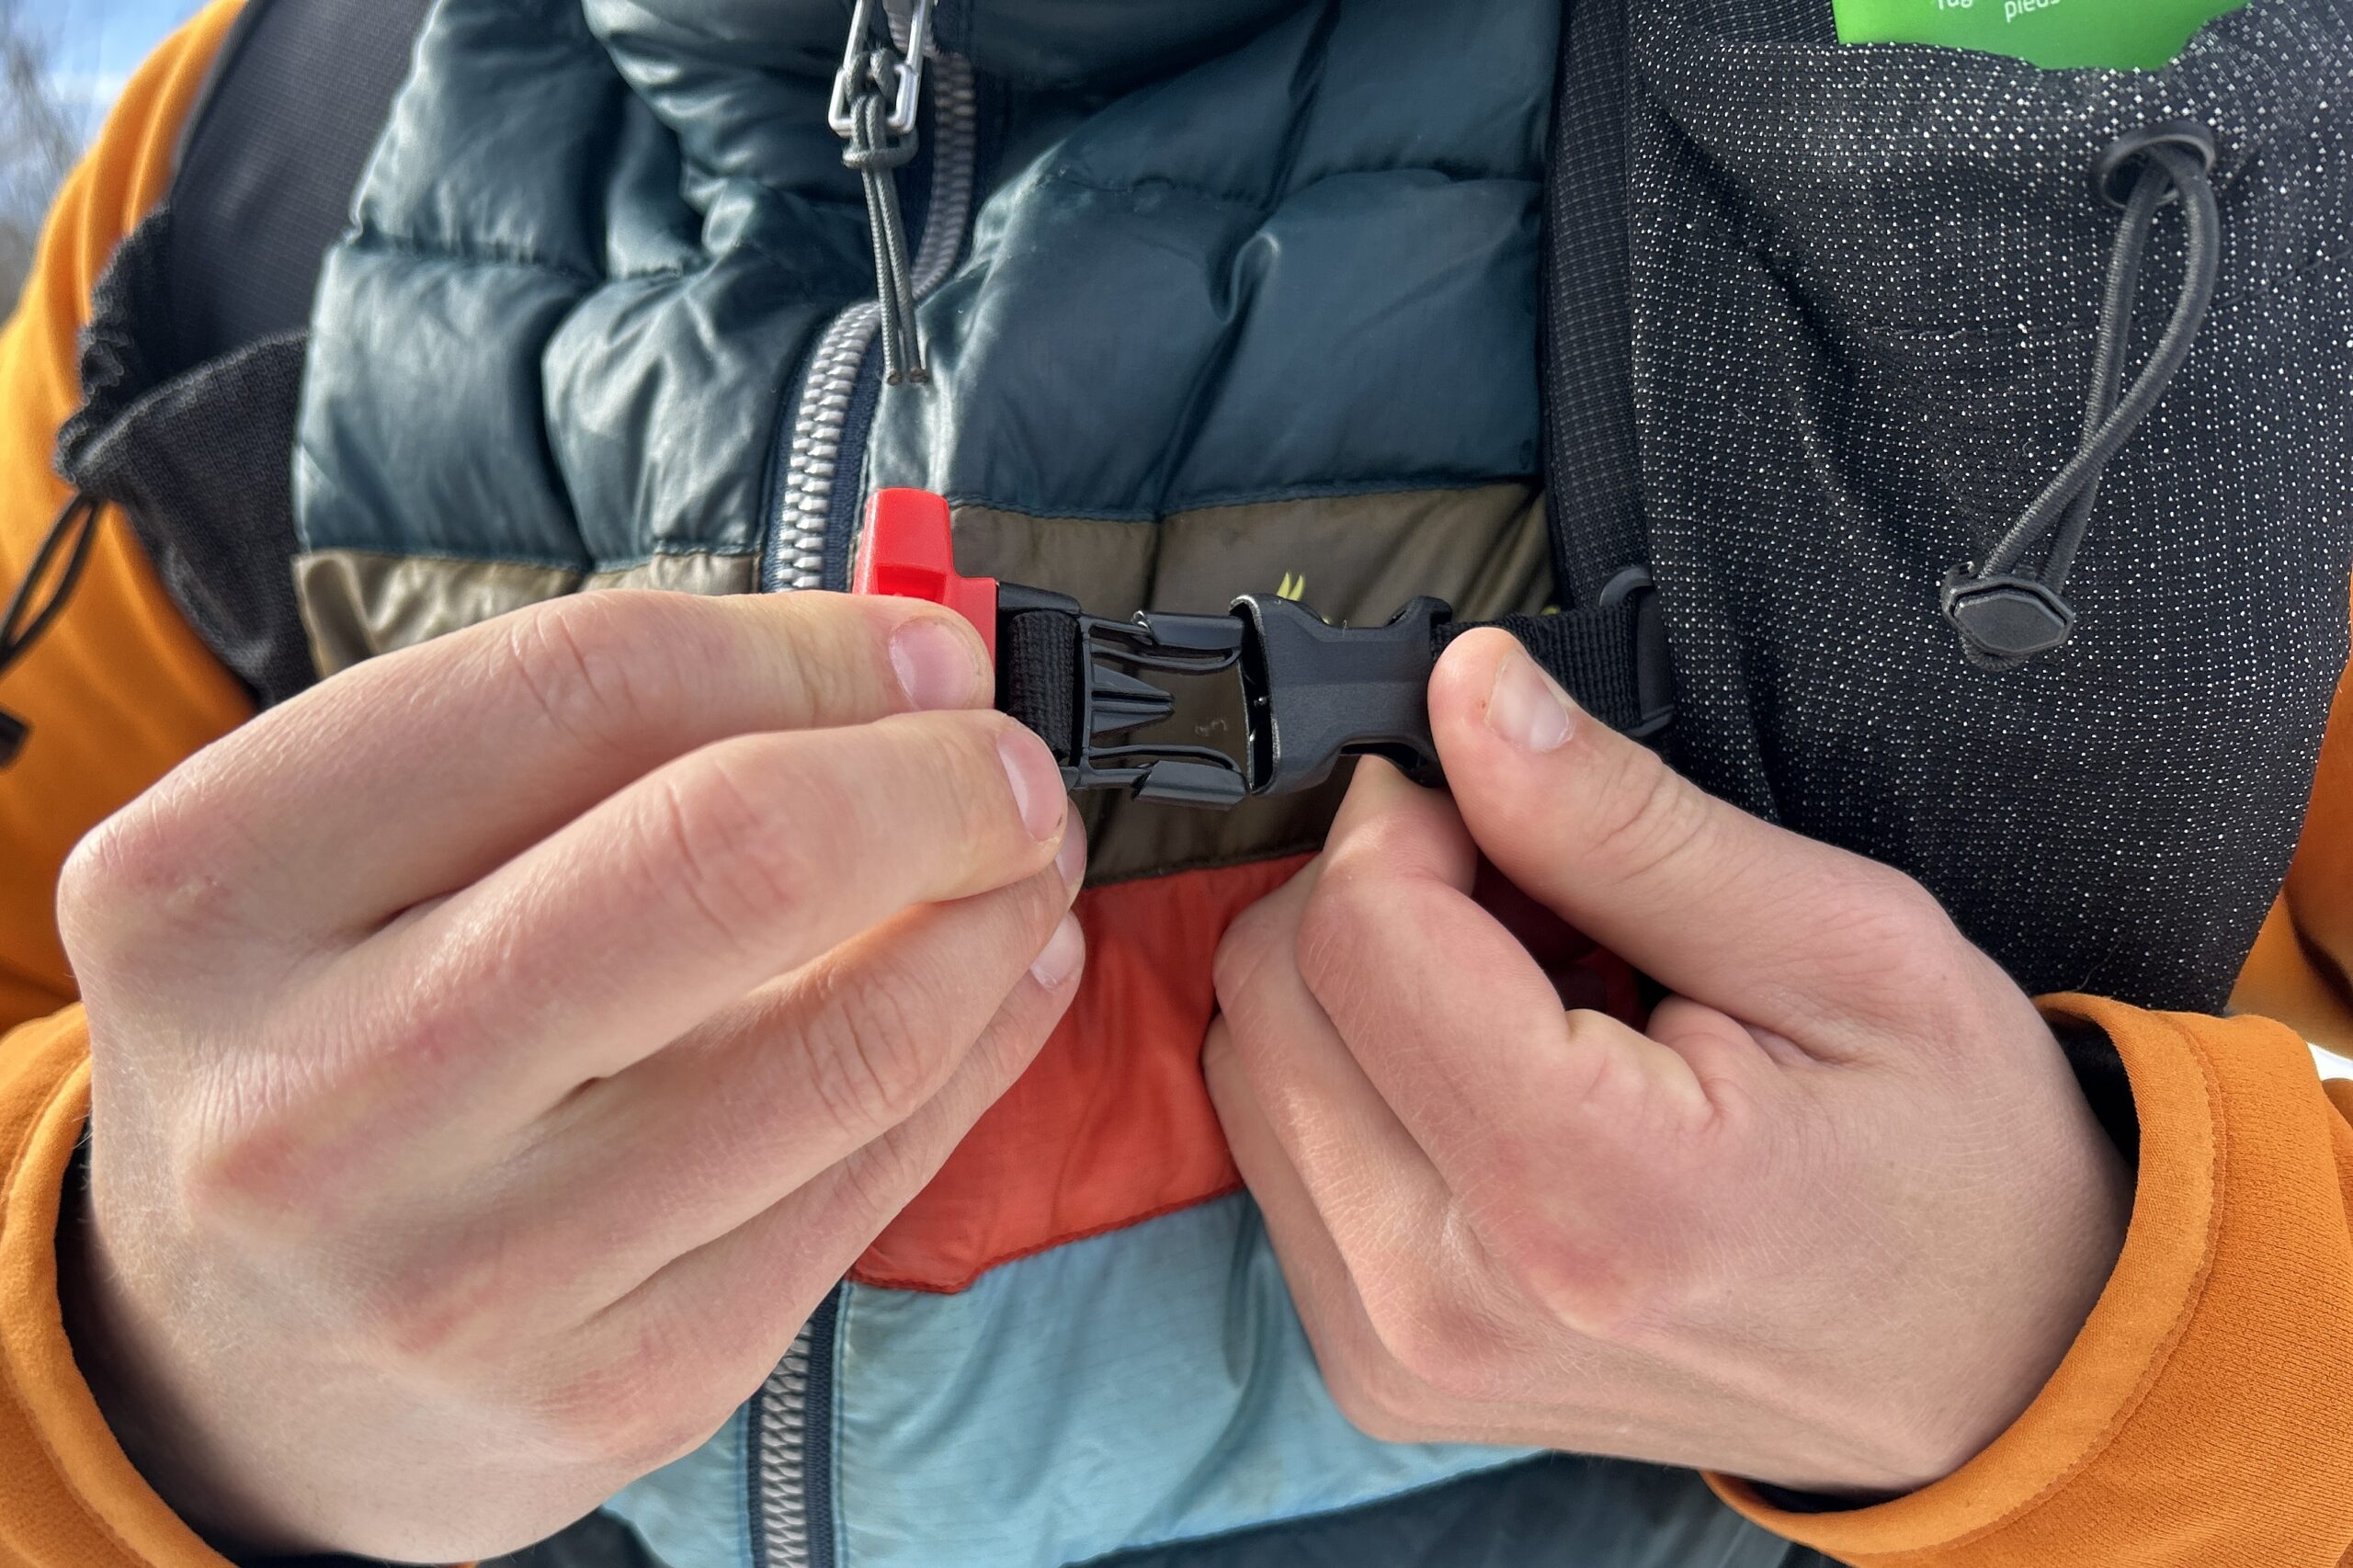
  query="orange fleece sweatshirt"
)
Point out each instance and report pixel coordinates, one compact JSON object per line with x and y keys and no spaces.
{"x":2204,"y":1415}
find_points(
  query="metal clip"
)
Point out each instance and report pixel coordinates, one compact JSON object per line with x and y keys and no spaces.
{"x":857,"y":69}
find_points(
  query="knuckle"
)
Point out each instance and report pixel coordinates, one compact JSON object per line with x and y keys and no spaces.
{"x":257,"y":1182}
{"x":1605,"y":1280}
{"x":452,"y":1313}
{"x":151,"y":866}
{"x":1601,"y":1296}
{"x":422,"y":1328}
{"x":1332,"y":929}
{"x":1377,"y":1402}
{"x":444,"y":1032}
{"x":86,"y":896}
{"x":712,"y":831}
{"x":1646,"y":817}
{"x":634,"y":1410}
{"x":876,"y":1062}
{"x":1256,"y":938}
{"x":251,"y":1185}
{"x":595,"y":665}
{"x":1904,"y":911}
{"x":1424,"y":1335}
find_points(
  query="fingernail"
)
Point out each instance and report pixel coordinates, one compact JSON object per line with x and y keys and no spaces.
{"x":1526,"y":708}
{"x":1071,"y":858}
{"x":935,"y":664}
{"x":1037,"y":782}
{"x":1061,"y":957}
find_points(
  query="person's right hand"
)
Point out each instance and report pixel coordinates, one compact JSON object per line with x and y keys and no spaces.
{"x":503,"y":1048}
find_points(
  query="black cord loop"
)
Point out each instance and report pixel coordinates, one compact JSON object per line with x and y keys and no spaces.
{"x":2005,"y":613}
{"x":31,"y":611}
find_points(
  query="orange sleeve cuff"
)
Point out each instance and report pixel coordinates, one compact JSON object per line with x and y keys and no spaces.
{"x":69,"y":1498}
{"x":2205,"y":1413}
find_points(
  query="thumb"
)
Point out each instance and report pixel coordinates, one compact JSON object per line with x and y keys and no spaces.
{"x":1731,"y":911}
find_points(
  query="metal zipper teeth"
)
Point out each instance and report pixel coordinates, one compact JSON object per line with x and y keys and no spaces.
{"x":791,"y":1450}
{"x":814,"y":462}
{"x":780,"y":1465}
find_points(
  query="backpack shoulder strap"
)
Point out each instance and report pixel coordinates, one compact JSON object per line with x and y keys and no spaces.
{"x":192,"y":359}
{"x":270,"y":159}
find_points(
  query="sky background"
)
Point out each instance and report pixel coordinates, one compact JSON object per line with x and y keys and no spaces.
{"x":99,"y":43}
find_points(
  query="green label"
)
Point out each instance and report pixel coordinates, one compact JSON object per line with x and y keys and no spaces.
{"x":2145,"y":34}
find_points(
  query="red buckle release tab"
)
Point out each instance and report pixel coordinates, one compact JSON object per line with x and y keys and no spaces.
{"x":910,"y":554}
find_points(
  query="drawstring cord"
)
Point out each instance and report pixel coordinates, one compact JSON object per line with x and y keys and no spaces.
{"x":2005,"y":615}
{"x":30,"y":610}
{"x":873,"y":109}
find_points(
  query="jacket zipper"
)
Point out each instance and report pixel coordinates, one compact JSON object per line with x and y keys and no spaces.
{"x":789,"y":1456}
{"x":820,"y":456}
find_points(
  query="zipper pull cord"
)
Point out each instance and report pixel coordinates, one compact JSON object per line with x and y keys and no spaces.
{"x":2005,"y":615}
{"x":876,"y":155}
{"x":873,"y":109}
{"x":30,"y":610}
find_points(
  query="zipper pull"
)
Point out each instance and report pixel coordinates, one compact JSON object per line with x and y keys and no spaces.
{"x":876,"y":95}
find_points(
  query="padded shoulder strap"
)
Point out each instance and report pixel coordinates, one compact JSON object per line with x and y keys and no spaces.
{"x":270,"y":160}
{"x":192,"y":360}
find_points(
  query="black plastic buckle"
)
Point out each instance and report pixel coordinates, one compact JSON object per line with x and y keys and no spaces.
{"x":1312,"y":693}
{"x":1114,"y":700}
{"x":1318,"y":692}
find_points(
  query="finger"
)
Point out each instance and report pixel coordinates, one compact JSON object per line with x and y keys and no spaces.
{"x":642,"y":1167}
{"x":1366,"y":1177}
{"x":678,"y":896}
{"x":1338,"y":1329}
{"x":412,"y":773}
{"x":736,"y":1302}
{"x":1431,"y":1304}
{"x":1452,"y":1022}
{"x":1769,"y":926}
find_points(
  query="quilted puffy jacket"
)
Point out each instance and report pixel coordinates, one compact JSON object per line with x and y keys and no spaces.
{"x":605,"y":318}
{"x":608,"y":317}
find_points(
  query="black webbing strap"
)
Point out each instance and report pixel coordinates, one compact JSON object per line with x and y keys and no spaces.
{"x":1592,"y":457}
{"x":1037,"y":675}
{"x":1593,"y":654}
{"x":1611,"y":659}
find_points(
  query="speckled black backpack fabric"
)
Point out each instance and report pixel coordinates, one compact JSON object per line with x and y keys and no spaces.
{"x":1821,"y":325}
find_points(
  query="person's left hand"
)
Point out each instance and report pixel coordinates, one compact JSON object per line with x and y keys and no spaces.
{"x":1830,"y":1224}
